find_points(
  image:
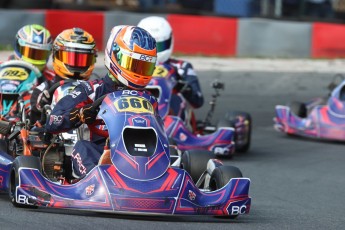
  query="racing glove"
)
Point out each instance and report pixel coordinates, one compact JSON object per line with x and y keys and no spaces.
{"x":88,"y":114}
{"x":182,"y":86}
{"x":43,"y":99}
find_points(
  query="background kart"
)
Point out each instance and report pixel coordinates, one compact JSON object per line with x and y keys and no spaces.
{"x":231,"y":133}
{"x":319,"y":118}
{"x":134,"y":175}
{"x":17,"y":78}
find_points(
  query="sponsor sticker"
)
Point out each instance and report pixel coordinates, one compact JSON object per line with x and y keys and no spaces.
{"x":89,"y":190}
{"x":183,"y":137}
{"x":191,"y":195}
{"x":56,"y":120}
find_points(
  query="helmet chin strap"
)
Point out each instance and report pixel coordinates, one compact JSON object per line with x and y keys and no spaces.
{"x":114,"y":79}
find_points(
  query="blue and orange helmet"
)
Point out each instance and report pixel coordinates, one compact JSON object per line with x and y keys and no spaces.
{"x":131,"y":55}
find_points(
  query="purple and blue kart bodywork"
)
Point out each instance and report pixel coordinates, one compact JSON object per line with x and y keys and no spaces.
{"x":139,"y":179}
{"x":325,"y":121}
{"x":221,"y":142}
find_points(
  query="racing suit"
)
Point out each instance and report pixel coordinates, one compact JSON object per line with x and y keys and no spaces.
{"x":65,"y":116}
{"x":192,"y":91}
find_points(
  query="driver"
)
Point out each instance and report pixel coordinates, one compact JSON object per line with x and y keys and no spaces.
{"x":126,"y":70}
{"x":162,"y":32}
{"x":74,"y":57}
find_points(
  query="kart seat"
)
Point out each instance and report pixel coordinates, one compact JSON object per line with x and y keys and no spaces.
{"x":105,"y":158}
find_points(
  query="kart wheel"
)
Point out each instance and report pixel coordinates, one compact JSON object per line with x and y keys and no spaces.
{"x":298,"y":108}
{"x":21,"y":161}
{"x":172,"y":148}
{"x":195,"y":162}
{"x":222,"y":175}
{"x":245,"y":135}
{"x":3,"y":146}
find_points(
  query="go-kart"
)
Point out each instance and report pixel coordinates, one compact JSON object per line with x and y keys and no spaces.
{"x":135,"y":174}
{"x":17,"y":78}
{"x":230,"y":134}
{"x":322,"y":118}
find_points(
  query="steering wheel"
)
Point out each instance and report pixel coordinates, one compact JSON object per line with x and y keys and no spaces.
{"x":92,"y":127}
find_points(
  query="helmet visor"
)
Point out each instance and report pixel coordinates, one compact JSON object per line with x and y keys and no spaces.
{"x":137,"y":63}
{"x":32,"y":53}
{"x":74,"y":58}
{"x":163,"y":45}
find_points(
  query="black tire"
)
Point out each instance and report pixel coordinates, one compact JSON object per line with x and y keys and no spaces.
{"x":298,"y":108}
{"x":222,"y":175}
{"x":21,"y":161}
{"x":232,"y":117}
{"x":172,"y":149}
{"x":3,"y":146}
{"x":195,"y":162}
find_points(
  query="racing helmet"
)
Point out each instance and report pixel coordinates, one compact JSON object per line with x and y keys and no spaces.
{"x":130,"y":56}
{"x":161,"y":30}
{"x":33,"y":44}
{"x":74,"y":54}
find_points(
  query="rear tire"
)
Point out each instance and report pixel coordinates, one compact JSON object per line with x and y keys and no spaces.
{"x":21,"y":161}
{"x":195,"y":162}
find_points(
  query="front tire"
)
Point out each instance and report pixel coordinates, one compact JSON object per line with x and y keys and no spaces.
{"x":298,"y":108}
{"x":21,"y":161}
{"x":222,"y":175}
{"x":195,"y":162}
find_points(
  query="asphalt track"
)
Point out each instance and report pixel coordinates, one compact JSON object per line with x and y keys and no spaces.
{"x":295,"y":183}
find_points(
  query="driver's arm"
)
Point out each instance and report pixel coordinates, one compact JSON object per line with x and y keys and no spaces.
{"x":193,"y":94}
{"x":65,"y":115}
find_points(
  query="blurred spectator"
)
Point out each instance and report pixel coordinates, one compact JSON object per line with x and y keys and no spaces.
{"x":319,"y":8}
{"x":339,"y":9}
{"x":291,"y":8}
{"x":150,"y":4}
{"x":198,"y":4}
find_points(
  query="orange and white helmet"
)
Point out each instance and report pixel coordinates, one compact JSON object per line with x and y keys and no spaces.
{"x":74,"y":54}
{"x":131,"y":55}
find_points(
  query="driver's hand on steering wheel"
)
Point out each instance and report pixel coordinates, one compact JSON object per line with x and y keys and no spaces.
{"x":43,"y":99}
{"x":182,"y":86}
{"x":88,"y":114}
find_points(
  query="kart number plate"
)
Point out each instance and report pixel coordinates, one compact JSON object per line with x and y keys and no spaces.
{"x":133,"y":104}
{"x":14,"y":73}
{"x":160,"y":71}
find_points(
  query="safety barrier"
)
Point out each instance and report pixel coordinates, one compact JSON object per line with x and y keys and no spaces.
{"x":196,"y":35}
